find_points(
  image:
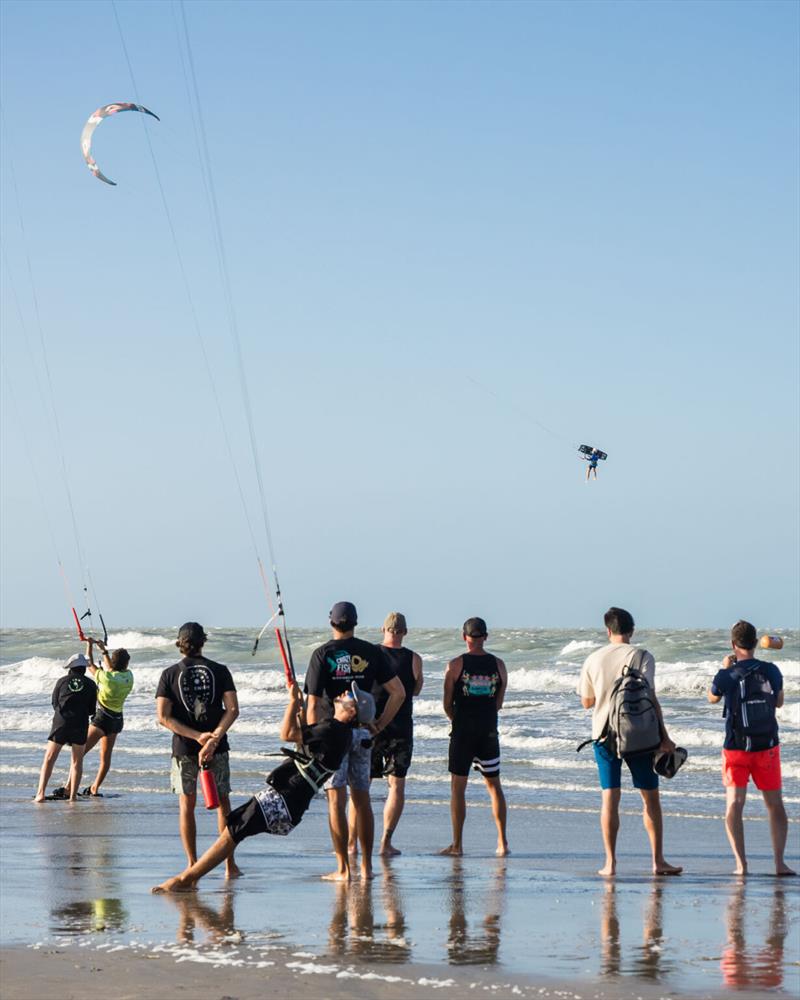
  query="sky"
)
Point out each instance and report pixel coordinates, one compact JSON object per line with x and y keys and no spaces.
{"x":461,"y":239}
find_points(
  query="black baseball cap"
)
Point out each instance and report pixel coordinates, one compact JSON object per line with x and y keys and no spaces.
{"x":475,"y":628}
{"x":192,"y":633}
{"x":343,"y":613}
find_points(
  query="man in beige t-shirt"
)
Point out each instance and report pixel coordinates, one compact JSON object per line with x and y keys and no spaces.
{"x":599,"y":672}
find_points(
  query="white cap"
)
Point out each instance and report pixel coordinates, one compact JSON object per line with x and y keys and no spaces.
{"x":365,"y":704}
{"x":78,"y":660}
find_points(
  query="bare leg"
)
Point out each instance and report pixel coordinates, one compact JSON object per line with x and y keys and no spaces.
{"x":337,"y":821}
{"x":458,"y":813}
{"x":734,"y":825}
{"x":188,"y":827}
{"x":778,"y":828}
{"x":221,"y":850}
{"x":75,"y":771}
{"x":392,"y":811}
{"x":352,"y":828}
{"x":232,"y":870}
{"x":366,"y":827}
{"x":106,"y":749}
{"x":499,"y":812}
{"x":95,"y":735}
{"x":654,"y":824}
{"x":609,"y":826}
{"x":50,"y":756}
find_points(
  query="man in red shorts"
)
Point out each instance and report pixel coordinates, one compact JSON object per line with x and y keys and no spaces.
{"x":752,"y":690}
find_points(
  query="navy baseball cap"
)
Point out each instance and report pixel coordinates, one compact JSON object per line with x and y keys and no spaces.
{"x":474,"y":628}
{"x":193,"y":633}
{"x":344,"y":613}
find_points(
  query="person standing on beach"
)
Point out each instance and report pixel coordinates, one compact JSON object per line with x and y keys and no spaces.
{"x":474,"y":687}
{"x":332,"y":669}
{"x":196,"y":700}
{"x":392,"y":749}
{"x":114,"y":684}
{"x":74,"y":699}
{"x":752,"y":690}
{"x":600,"y":671}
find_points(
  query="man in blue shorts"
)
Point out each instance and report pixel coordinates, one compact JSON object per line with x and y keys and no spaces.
{"x":600,"y":671}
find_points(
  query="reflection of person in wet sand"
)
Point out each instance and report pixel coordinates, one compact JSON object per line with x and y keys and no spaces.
{"x":761,"y":966}
{"x":481,"y":947}
{"x":193,"y":913}
{"x":292,"y":785}
{"x":353,"y":931}
{"x":647,"y":962}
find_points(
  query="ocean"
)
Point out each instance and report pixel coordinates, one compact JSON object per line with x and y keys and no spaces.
{"x":542,"y":721}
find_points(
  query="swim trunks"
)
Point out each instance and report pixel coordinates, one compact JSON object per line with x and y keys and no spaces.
{"x":468,"y":747}
{"x":356,"y":764}
{"x":266,"y":812}
{"x":391,"y":755}
{"x":184,"y":772}
{"x":110,"y":722}
{"x":74,"y":735}
{"x":763,"y":766}
{"x":610,"y":770}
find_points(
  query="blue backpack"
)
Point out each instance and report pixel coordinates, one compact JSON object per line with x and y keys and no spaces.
{"x":751,"y":706}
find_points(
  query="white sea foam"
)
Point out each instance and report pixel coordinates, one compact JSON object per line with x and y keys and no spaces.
{"x":576,"y":644}
{"x":31,"y":676}
{"x":543,"y":679}
{"x":139,"y":640}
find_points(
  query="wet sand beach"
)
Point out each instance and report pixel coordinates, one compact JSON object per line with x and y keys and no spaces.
{"x":77,"y":910}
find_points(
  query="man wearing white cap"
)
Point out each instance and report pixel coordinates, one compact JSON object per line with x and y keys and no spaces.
{"x":74,"y":701}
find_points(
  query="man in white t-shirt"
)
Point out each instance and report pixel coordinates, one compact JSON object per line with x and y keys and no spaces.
{"x":600,"y":670}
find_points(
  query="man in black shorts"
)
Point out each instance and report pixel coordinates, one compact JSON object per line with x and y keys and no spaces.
{"x":474,"y":685}
{"x":392,"y":749}
{"x":331,"y":671}
{"x":292,"y":785}
{"x":196,"y":700}
{"x":74,"y":701}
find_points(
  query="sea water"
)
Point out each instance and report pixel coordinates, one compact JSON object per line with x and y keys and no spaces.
{"x":541,"y":724}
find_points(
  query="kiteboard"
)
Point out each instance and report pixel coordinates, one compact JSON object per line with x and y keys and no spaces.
{"x":586,"y":452}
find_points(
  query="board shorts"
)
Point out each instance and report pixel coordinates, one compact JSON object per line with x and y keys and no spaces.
{"x":763,"y":766}
{"x":110,"y":722}
{"x":266,"y":812}
{"x":184,"y":772}
{"x":610,"y":769}
{"x":391,"y":755}
{"x":74,"y":735}
{"x":356,"y":765}
{"x":470,"y":746}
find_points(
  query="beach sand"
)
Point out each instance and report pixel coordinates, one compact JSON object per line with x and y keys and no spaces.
{"x":77,"y":911}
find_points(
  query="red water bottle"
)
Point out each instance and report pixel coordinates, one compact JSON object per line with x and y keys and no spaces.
{"x":209,"y":785}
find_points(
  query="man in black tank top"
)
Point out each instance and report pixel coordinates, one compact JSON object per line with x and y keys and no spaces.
{"x":474,"y":686}
{"x":392,"y":748}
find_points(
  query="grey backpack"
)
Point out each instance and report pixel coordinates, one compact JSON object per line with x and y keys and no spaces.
{"x":633,"y":725}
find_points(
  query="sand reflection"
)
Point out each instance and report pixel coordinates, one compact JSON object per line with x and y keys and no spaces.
{"x":757,"y":963}
{"x":481,"y":944}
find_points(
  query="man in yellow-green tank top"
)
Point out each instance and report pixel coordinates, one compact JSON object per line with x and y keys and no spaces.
{"x":114,"y":683}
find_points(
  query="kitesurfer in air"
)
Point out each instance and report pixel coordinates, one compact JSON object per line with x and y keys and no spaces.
{"x":593,"y":459}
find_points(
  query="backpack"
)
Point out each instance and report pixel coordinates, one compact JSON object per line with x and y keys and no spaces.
{"x":751,"y":705}
{"x":633,"y":726}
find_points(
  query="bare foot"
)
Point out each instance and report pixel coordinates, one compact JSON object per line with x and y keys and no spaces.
{"x":232,"y":870}
{"x":503,"y":850}
{"x":38,"y":798}
{"x":389,"y":851}
{"x":366,"y":873}
{"x":663,"y":868}
{"x":741,"y":872}
{"x":176,"y":884}
{"x":337,"y":876}
{"x":784,"y":871}
{"x":452,"y":851}
{"x":608,"y":870}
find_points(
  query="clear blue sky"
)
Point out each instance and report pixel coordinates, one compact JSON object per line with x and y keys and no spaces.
{"x":591,"y":208}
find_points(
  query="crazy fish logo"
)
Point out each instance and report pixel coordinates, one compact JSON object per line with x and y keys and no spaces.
{"x":344,"y":665}
{"x":75,"y":684}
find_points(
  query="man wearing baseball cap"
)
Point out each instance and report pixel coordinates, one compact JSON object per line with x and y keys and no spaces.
{"x":331,"y":671}
{"x":196,"y":700}
{"x":474,"y":686}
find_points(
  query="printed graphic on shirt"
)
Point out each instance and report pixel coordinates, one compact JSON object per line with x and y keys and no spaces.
{"x":196,"y":685}
{"x":479,"y":685}
{"x":344,"y":665}
{"x":75,"y":684}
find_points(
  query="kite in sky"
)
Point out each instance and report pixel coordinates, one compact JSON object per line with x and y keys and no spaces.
{"x":91,"y":125}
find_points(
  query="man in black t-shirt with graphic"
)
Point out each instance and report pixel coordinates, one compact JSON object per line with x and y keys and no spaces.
{"x":474,"y":686}
{"x":196,"y":699}
{"x":332,"y":669}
